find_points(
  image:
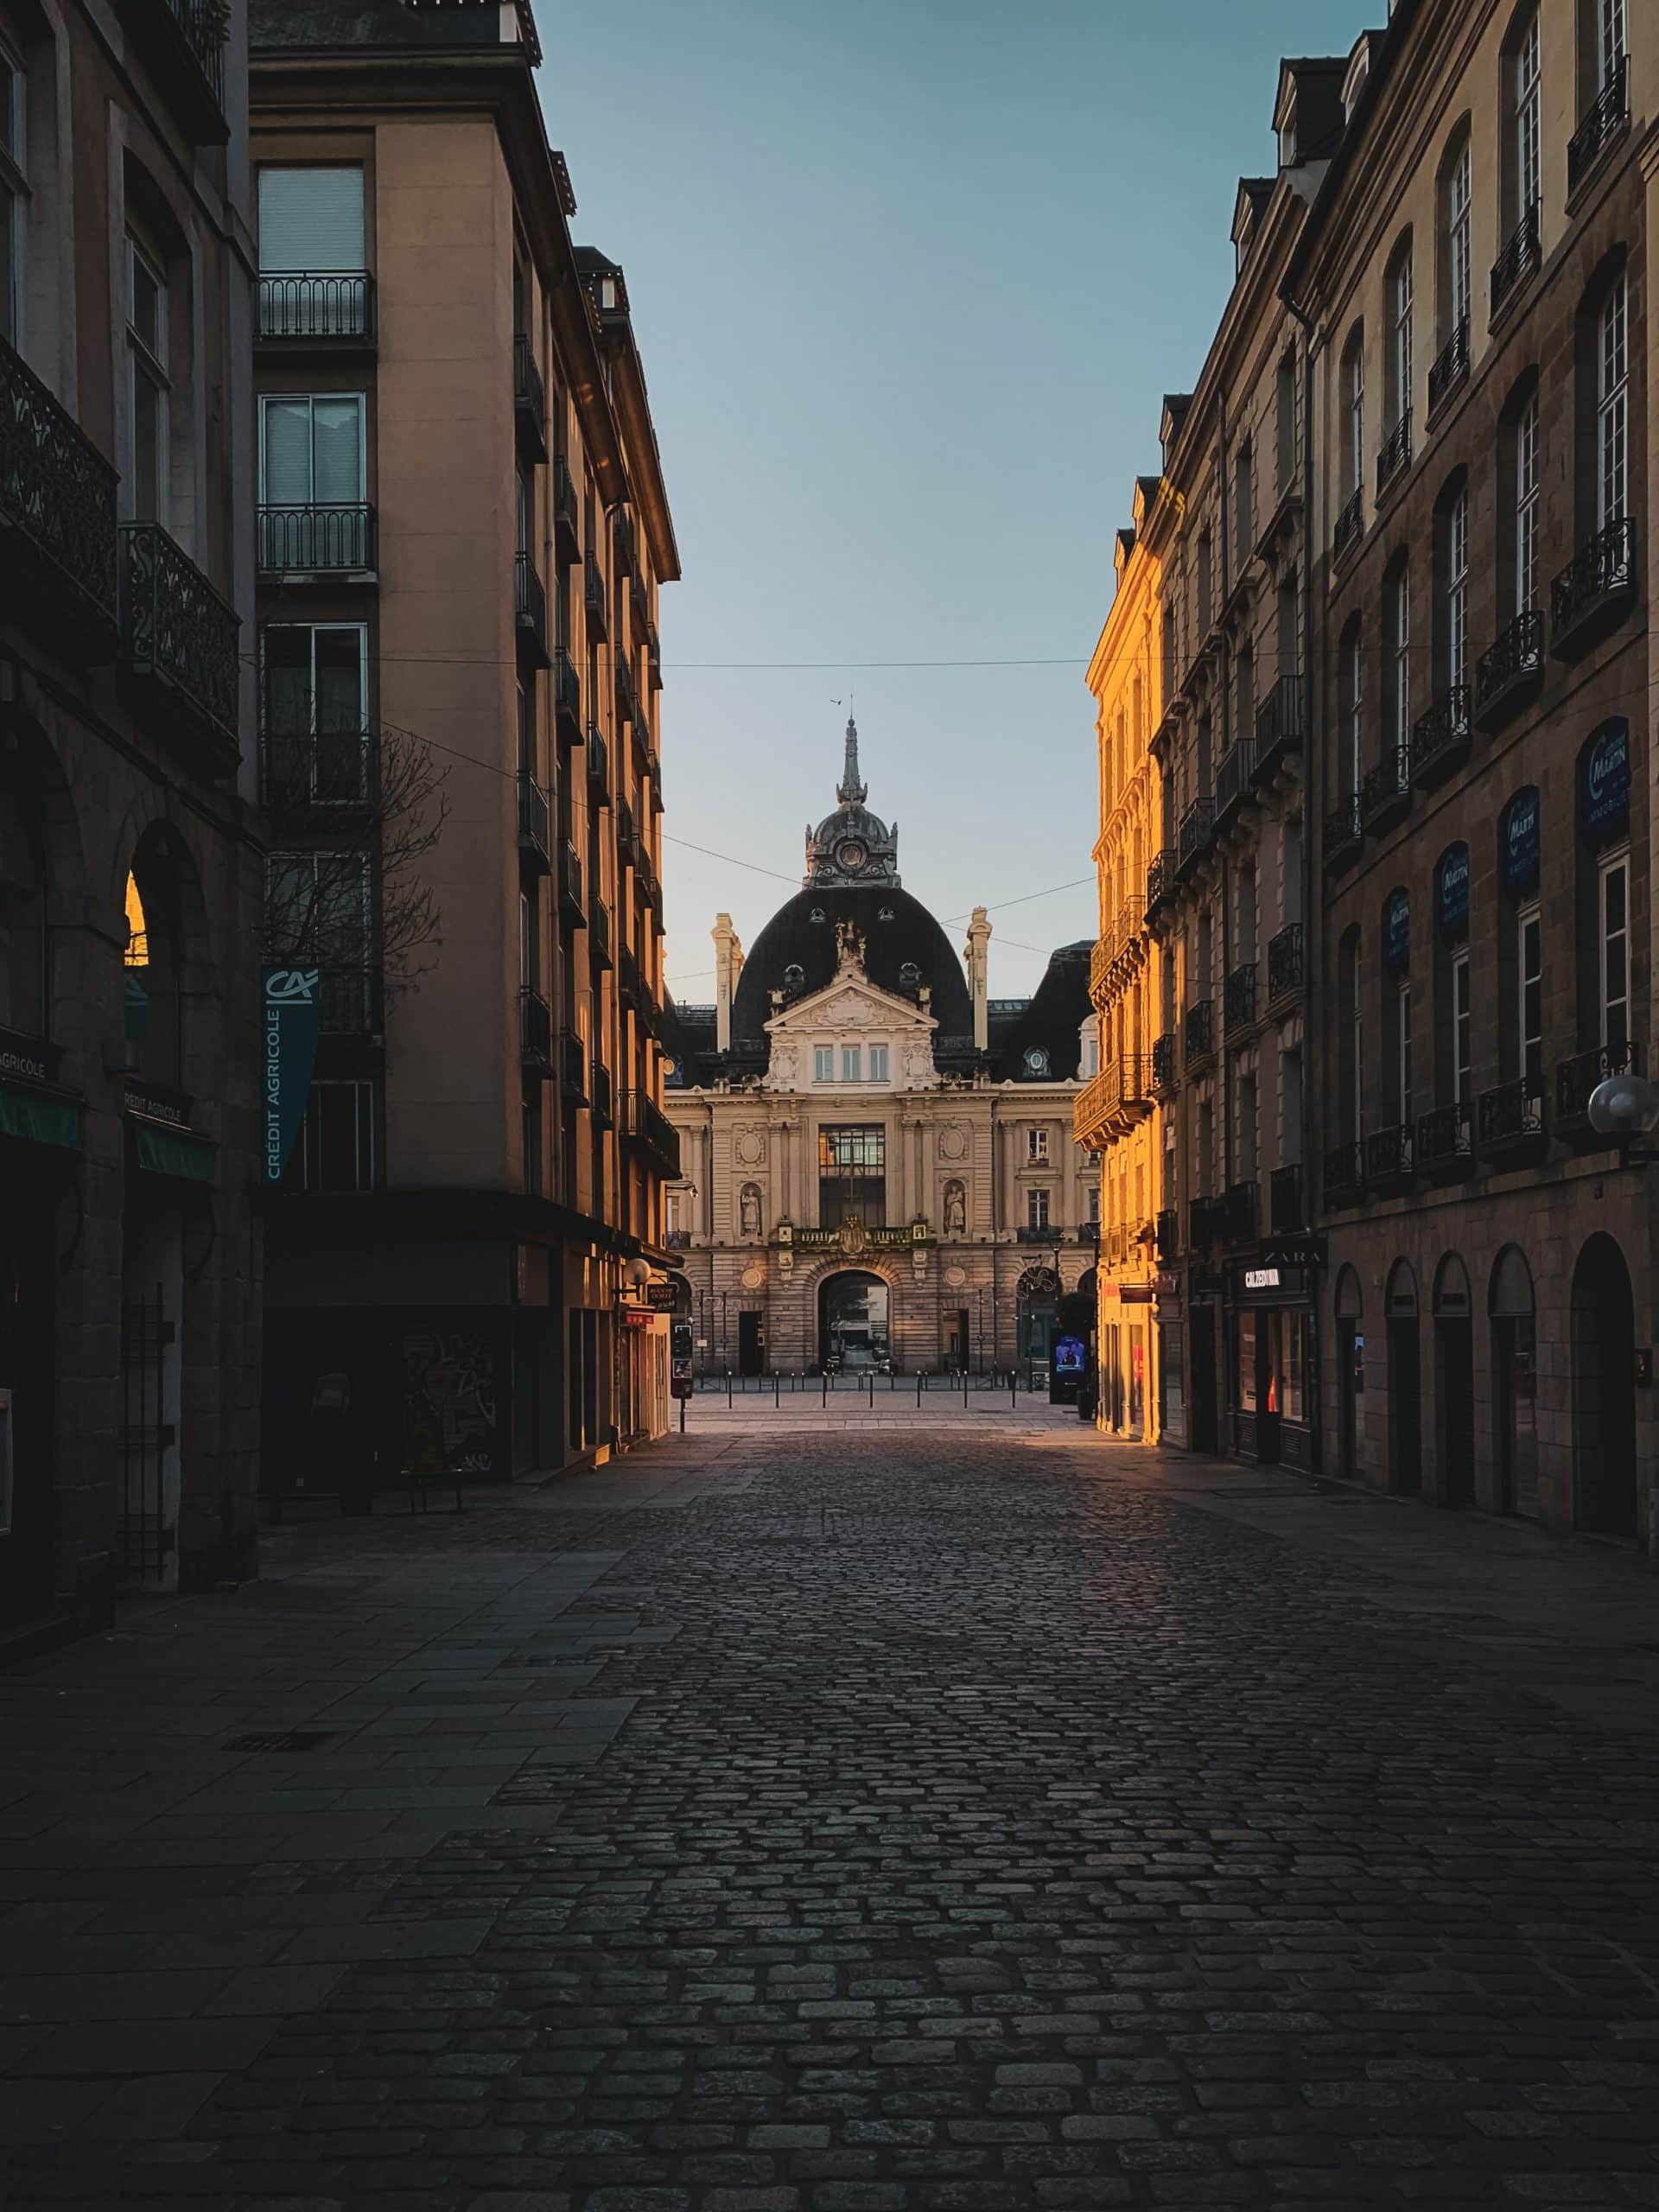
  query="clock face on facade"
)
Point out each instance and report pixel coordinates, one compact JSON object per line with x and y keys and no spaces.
{"x":1036,"y":1061}
{"x":851,"y":856}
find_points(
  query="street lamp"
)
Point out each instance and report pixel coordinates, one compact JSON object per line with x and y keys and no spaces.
{"x":1625,"y":1107}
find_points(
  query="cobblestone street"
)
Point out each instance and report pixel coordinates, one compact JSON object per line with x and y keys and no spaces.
{"x":825,"y":1815}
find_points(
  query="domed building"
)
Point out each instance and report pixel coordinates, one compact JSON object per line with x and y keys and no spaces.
{"x":877,"y":1155}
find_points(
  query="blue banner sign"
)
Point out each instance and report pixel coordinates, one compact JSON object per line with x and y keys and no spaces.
{"x":1396,"y":930}
{"x":1604,"y":782}
{"x":293,"y":1014}
{"x":1517,"y":841}
{"x":1452,"y":891}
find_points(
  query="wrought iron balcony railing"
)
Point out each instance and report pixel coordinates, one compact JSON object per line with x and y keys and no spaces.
{"x":535,"y":1031}
{"x":1233,"y":778}
{"x":1167,"y":1233}
{"x":312,"y":540}
{"x":1161,"y":879}
{"x":1199,"y":1031}
{"x":1449,"y":367}
{"x":1445,"y":1142}
{"x":1604,"y":119}
{"x":1100,"y":967}
{"x":535,"y":832}
{"x":1388,"y":1157}
{"x":183,"y":41}
{"x":1239,"y":998}
{"x":566,"y":697}
{"x":600,"y":1095}
{"x":566,"y":514}
{"x":1285,"y":964}
{"x":326,"y":769}
{"x":1089,"y":1233}
{"x":1510,"y":669}
{"x":622,"y":539}
{"x":1240,"y":1212}
{"x":1394,"y":456}
{"x":647,"y":1126}
{"x":1285,"y":1210}
{"x":573,"y":1066}
{"x":1441,"y":739}
{"x":1090,"y":1115}
{"x":58,"y":542}
{"x":1349,"y":525}
{"x":570,"y":898}
{"x":348,"y":1001}
{"x":529,"y":397}
{"x":1594,"y":591}
{"x":599,"y":765}
{"x":1511,"y":1119}
{"x":599,"y":932}
{"x":593,"y":596}
{"x":1576,"y":1078}
{"x":178,"y":640}
{"x":1279,"y":723}
{"x":530,"y":611}
{"x":1387,"y":791}
{"x":1520,"y":256}
{"x":316,"y":307}
{"x":677,"y":1240}
{"x":627,"y":699}
{"x":1163,"y":1061}
{"x":1345,"y":1174}
{"x":1344,"y":832}
{"x":1197,"y":829}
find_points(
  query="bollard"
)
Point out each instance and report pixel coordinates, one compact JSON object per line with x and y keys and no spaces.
{"x":1013,"y":1389}
{"x":682,"y":1416}
{"x":918,"y":1394}
{"x":826,"y":1387}
{"x":774,"y":1390}
{"x":872,"y":1389}
{"x":728,"y":1389}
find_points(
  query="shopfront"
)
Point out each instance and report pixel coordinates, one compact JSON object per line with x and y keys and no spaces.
{"x":1271,"y":1310}
{"x":1169,"y":1327}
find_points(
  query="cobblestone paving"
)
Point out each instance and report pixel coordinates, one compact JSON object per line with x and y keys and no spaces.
{"x":850,"y":1823}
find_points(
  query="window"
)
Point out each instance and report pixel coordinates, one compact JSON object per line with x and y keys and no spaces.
{"x":1400,"y":656}
{"x":1089,"y":1055}
{"x":1353,"y":688}
{"x":1613,"y":407}
{"x":1037,"y":1209}
{"x":1353,"y":413}
{"x":1524,"y":120}
{"x":336,"y":1147}
{"x":1457,"y":265}
{"x":823,"y":1063}
{"x":1462,"y":1032}
{"x":1036,"y":1144}
{"x":1457,"y":589}
{"x":1613,"y":932}
{"x":1526,"y":506}
{"x":311,"y":465}
{"x":1529,"y":973}
{"x":13,"y":198}
{"x":1244,"y":505}
{"x":1247,"y":1128}
{"x":1612,"y":40}
{"x":852,"y":1063}
{"x":878,"y":1064}
{"x":312,"y":283}
{"x":1284,"y":420}
{"x":1400,"y":333}
{"x":1206,"y":583}
{"x":852,"y":1175}
{"x":318,"y":908}
{"x":315,"y":710}
{"x":1402,"y":1052}
{"x":147,"y":387}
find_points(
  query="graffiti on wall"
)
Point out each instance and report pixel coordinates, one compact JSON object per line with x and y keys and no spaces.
{"x":451,"y":1409}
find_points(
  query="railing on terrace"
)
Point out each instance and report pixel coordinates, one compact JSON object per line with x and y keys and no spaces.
{"x":316,"y":307}
{"x":1285,"y":962}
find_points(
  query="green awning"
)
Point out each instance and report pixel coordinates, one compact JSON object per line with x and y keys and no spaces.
{"x":37,"y":1119}
{"x":172,"y":1152}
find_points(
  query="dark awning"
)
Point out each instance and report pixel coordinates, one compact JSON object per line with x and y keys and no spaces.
{"x":172,"y":1152}
{"x":39,"y":1119}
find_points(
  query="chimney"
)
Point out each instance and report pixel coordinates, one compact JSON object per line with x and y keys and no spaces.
{"x":975,"y":954}
{"x":728,"y":966}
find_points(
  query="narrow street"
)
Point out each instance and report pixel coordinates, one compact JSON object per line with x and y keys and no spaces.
{"x":827,"y":1813}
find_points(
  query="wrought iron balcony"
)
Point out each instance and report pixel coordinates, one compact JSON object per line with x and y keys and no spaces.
{"x":1238,"y":999}
{"x":348,"y":1001}
{"x":299,"y":770}
{"x":1605,"y":117}
{"x":535,"y":1032}
{"x":1130,"y":942}
{"x":571,"y":906}
{"x":566,"y":697}
{"x":1388,"y":1157}
{"x":599,"y":933}
{"x":1576,"y":1078}
{"x":677,"y":1240}
{"x":1089,"y":1233}
{"x":573,"y":1066}
{"x":1278,"y":724}
{"x":1394,"y":456}
{"x":529,"y":613}
{"x":1091,"y":1122}
{"x":1129,"y":1092}
{"x":1344,"y":833}
{"x":178,"y":643}
{"x":599,"y":765}
{"x":567,"y":515}
{"x":302,"y":308}
{"x":535,"y":835}
{"x":1285,"y":964}
{"x":1510,"y":671}
{"x":1240,"y":1213}
{"x":1521,"y":254}
{"x":1285,"y":1210}
{"x":1233,"y":780}
{"x":529,"y":398}
{"x":622,"y":539}
{"x":1197,"y":832}
{"x":1387,"y":792}
{"x":1100,"y":968}
{"x":1449,"y":368}
{"x":1350,"y":526}
{"x":592,"y":597}
{"x":628,"y":847}
{"x":1161,"y":880}
{"x":1595,"y":591}
{"x":646,"y":1125}
{"x":630,"y":980}
{"x":600,"y":1093}
{"x":1441,"y":739}
{"x":1167,"y":1233}
{"x":317,"y":541}
{"x":1511,"y":1121}
{"x":183,"y":42}
{"x":1445,"y":1142}
{"x":1199,"y":1031}
{"x":653,"y":657}
{"x":58,"y":541}
{"x":1203,"y":1223}
{"x":1345,"y":1174}
{"x":627,"y":699}
{"x":1163,"y":1062}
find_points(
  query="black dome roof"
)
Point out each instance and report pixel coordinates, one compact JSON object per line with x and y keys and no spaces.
{"x":793,"y":938}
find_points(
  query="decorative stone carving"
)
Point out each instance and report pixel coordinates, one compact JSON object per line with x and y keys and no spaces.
{"x":750,"y":1210}
{"x":749,"y":1145}
{"x":953,"y":1142}
{"x":753,"y":1277}
{"x":956,"y":1208}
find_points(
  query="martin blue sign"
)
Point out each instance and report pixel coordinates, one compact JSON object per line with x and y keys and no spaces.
{"x":1452,"y":891}
{"x":1604,"y":782}
{"x":1396,"y":930}
{"x":1517,"y":841}
{"x":293,"y":1016}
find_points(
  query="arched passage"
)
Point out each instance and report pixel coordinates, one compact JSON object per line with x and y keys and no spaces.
{"x":1603,"y":1396}
{"x":853,"y":1330}
{"x":1454,"y":1383}
{"x":1515,"y":1381}
{"x":1405,"y":1383}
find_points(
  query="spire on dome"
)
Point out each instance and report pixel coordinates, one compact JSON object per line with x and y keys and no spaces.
{"x":851,"y":790}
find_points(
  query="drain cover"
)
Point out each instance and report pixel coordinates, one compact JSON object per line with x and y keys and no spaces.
{"x":293,"y":1739}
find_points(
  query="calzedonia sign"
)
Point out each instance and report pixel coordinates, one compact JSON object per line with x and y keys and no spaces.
{"x":292,"y":1017}
{"x":1517,"y":841}
{"x":1604,"y":782}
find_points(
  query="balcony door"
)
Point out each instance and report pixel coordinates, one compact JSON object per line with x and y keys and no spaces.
{"x":315,"y":718}
{"x":312,"y":276}
{"x":311,"y":482}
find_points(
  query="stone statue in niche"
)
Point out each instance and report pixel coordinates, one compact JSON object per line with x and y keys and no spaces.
{"x":750,"y":1210}
{"x":956,"y":1208}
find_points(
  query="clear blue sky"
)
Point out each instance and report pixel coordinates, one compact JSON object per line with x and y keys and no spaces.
{"x":909,"y":278}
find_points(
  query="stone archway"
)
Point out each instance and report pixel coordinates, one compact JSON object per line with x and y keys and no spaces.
{"x":854,"y":1321}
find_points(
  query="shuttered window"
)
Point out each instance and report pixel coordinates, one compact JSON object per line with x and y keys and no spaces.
{"x":311,"y":218}
{"x":312,"y":451}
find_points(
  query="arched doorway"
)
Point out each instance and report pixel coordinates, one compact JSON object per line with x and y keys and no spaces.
{"x":852,"y":1321}
{"x":1454,"y":1383}
{"x":1405,"y":1383}
{"x":1604,"y":1396}
{"x":1351,"y":1371}
{"x":1515,"y":1382}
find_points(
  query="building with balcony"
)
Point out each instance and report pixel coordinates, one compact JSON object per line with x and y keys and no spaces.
{"x":1476,"y":264}
{"x":461,"y":533}
{"x":876,"y":1163}
{"x":129,"y":1118}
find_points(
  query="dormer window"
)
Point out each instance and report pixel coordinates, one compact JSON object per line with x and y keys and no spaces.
{"x":1287,"y":138}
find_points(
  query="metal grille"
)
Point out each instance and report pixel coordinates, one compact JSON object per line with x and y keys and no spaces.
{"x":146,"y":1539}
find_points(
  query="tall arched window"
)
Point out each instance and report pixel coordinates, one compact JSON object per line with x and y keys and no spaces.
{"x":152,"y":964}
{"x":1526,"y":494}
{"x":1452,"y":585}
{"x":1397,"y":604}
{"x":1400,"y":310}
{"x":1612,"y":406}
{"x":1522,"y":69}
{"x":1353,"y":412}
{"x":22,"y":923}
{"x":1456,"y":244}
{"x":14,"y":194}
{"x":1353,"y":708}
